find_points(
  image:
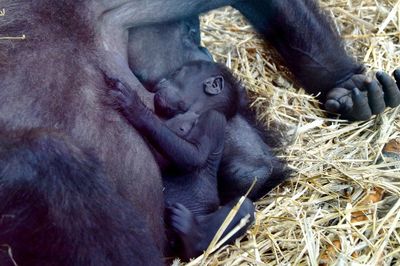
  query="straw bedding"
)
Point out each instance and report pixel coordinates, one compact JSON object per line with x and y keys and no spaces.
{"x":342,"y":205}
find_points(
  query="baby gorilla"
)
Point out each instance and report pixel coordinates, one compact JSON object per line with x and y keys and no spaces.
{"x":187,"y":134}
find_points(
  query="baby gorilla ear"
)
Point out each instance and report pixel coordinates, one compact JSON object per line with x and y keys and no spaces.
{"x":214,"y":85}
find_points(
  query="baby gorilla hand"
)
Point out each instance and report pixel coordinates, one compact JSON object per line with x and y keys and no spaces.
{"x":124,"y":99}
{"x":360,"y":97}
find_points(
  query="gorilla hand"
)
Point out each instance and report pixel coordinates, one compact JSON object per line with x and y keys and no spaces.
{"x":359,"y":97}
{"x":127,"y":101}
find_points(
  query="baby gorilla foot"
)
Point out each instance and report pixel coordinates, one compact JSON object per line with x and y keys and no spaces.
{"x":360,"y":97}
{"x":184,"y":223}
{"x":197,"y":232}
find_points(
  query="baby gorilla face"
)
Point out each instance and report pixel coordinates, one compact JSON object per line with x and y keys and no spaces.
{"x":197,"y":87}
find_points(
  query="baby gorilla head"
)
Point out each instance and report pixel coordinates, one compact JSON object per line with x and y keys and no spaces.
{"x":197,"y":87}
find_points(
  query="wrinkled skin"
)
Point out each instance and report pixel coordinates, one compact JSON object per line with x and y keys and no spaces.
{"x":196,"y":100}
{"x":359,"y":97}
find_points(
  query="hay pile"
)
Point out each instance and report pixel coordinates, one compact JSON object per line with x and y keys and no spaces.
{"x":342,"y":206}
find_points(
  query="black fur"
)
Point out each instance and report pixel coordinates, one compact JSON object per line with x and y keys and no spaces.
{"x":54,"y":80}
{"x":191,"y":142}
{"x":304,"y":36}
{"x":58,"y":207}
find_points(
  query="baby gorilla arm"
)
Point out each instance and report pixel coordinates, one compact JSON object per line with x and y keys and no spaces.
{"x":186,"y":153}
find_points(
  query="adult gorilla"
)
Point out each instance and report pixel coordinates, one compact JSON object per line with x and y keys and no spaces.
{"x":59,"y":204}
{"x":302,"y":34}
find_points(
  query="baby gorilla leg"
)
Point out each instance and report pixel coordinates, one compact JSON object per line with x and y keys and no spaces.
{"x":196,"y":232}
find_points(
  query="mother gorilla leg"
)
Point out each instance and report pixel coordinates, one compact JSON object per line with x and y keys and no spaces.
{"x":58,"y":207}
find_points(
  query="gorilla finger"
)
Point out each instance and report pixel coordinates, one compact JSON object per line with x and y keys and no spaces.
{"x":180,"y":207}
{"x":338,"y":93}
{"x":361,"y":81}
{"x":178,"y":227}
{"x":392,"y":93}
{"x":332,"y":106}
{"x":375,"y":97}
{"x":339,"y":101}
{"x":180,"y":223}
{"x":396,"y":74}
{"x":127,"y":92}
{"x":361,"y":109}
{"x":119,"y":85}
{"x":343,"y":106}
{"x":116,"y":94}
{"x":117,"y":98}
{"x":176,"y":218}
{"x":179,"y":212}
